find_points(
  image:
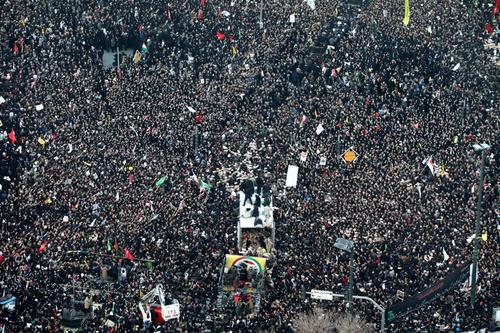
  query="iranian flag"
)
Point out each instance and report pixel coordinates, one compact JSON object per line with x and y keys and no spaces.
{"x":195,"y":178}
{"x":204,"y":186}
{"x":43,"y":247}
{"x":428,"y":163}
{"x":201,"y":184}
{"x":129,"y":255}
{"x":303,"y":120}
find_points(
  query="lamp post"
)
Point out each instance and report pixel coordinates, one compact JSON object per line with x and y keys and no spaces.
{"x":483,"y":148}
{"x":261,"y":24}
{"x":348,"y":246}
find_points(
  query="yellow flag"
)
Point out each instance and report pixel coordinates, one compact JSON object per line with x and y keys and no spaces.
{"x":406,"y":19}
{"x":484,"y":236}
{"x":41,"y":140}
{"x":455,"y":139}
{"x":442,"y":168}
{"x":48,"y":201}
{"x":234,"y":51}
{"x":137,"y":57}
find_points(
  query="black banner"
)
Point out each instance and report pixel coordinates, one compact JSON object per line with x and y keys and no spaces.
{"x":428,"y":295}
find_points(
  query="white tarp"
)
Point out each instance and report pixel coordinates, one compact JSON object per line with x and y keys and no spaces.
{"x":292,"y":175}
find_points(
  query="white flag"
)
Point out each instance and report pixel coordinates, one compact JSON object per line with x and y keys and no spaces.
{"x":471,"y":238}
{"x":39,"y":107}
{"x":319,"y":129}
{"x":292,"y":18}
{"x":456,"y":67}
{"x":2,"y":100}
{"x":303,"y":156}
{"x":312,"y":4}
{"x":191,"y":109}
{"x":445,"y":255}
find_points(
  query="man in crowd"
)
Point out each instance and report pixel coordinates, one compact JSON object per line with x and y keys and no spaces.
{"x":101,"y":160}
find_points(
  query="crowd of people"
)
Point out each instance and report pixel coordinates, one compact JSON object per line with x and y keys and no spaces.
{"x":227,"y":90}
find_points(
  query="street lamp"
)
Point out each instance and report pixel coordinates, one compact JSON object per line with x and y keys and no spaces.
{"x":483,"y":148}
{"x":348,"y":246}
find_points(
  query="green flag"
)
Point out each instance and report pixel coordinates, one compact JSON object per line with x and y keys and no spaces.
{"x":149,"y":265}
{"x":160,"y":181}
{"x":109,"y":245}
{"x":144,"y":48}
{"x":205,"y":186}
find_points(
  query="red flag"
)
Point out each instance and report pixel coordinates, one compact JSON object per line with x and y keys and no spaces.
{"x":131,"y":178}
{"x":203,"y":3}
{"x":2,"y":258}
{"x":42,"y":247}
{"x":116,"y":245}
{"x":198,"y":118}
{"x":200,"y":15}
{"x":220,"y":35}
{"x":497,"y":5}
{"x":15,"y":48}
{"x":129,"y":255}
{"x":12,"y":137}
{"x":489,"y":28}
{"x":231,"y":38}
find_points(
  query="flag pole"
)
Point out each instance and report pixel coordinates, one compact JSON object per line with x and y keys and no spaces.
{"x":105,"y":255}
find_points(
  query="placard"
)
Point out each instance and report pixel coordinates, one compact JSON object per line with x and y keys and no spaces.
{"x":292,"y":175}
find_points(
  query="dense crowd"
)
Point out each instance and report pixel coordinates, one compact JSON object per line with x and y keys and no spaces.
{"x":219,"y":95}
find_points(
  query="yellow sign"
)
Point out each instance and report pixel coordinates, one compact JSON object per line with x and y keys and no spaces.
{"x":350,"y":156}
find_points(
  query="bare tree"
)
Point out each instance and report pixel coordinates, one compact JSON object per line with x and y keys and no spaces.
{"x":319,"y":321}
{"x":314,"y":322}
{"x":347,"y":323}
